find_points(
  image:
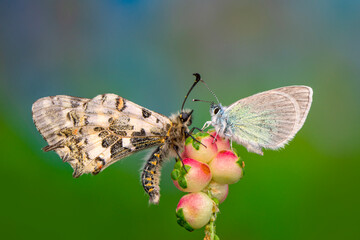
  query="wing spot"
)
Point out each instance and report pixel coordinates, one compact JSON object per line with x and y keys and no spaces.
{"x":103,"y":134}
{"x":72,"y":116}
{"x":68,"y":116}
{"x":100,"y":163}
{"x":108,"y":141}
{"x":146,"y":113}
{"x":116,"y":147}
{"x":140,"y":133}
{"x":98,"y":129}
{"x":120,"y":104}
{"x":86,"y":122}
{"x":117,"y":150}
{"x":74,"y":104}
{"x":119,"y":130}
{"x":85,"y":105}
{"x":103,"y":98}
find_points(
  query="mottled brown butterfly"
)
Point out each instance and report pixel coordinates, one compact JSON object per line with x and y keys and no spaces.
{"x":92,"y":134}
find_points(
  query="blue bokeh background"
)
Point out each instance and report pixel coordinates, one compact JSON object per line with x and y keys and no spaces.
{"x":146,"y":52}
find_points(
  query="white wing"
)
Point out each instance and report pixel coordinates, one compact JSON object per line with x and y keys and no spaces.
{"x":269,"y":119}
{"x":91,"y":134}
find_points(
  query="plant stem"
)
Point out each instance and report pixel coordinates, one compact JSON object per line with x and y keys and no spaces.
{"x":210,"y":228}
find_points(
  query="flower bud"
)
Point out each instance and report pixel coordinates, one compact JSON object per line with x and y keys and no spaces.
{"x":226,"y":167}
{"x":196,"y":150}
{"x":195,"y":178}
{"x":221,"y":143}
{"x":194,"y":210}
{"x":218,"y":190}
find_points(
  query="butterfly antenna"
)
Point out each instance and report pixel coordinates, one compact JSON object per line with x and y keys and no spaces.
{"x":198,"y":100}
{"x":210,"y":90}
{"x":197,"y":79}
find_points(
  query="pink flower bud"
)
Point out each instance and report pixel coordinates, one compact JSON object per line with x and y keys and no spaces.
{"x":194,"y":210}
{"x":195,"y":150}
{"x":221,"y":143}
{"x":218,"y":190}
{"x":226,"y":168}
{"x":195,"y":178}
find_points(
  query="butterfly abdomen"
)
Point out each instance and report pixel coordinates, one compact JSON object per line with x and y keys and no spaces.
{"x":150,"y":177}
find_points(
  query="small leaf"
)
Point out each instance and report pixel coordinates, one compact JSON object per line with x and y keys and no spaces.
{"x":181,"y":220}
{"x":188,"y":140}
{"x":183,"y":171}
{"x":216,"y":200}
{"x":182,"y":182}
{"x":188,"y":227}
{"x":185,"y":225}
{"x":196,"y":145}
{"x":202,"y":134}
{"x":198,"y":136}
{"x":216,"y":237}
{"x":240,"y":162}
{"x":175,"y":174}
{"x":178,"y":165}
{"x":180,"y":214}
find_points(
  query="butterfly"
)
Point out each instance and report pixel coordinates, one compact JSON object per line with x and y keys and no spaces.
{"x":92,"y":134}
{"x":267,"y":120}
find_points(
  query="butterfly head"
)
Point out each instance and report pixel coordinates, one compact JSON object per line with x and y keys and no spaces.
{"x":186,"y":117}
{"x":216,"y":109}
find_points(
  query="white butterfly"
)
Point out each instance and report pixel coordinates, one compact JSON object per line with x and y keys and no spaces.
{"x":265,"y":120}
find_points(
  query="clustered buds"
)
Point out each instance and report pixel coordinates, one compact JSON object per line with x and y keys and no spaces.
{"x":205,"y":173}
{"x":226,"y":167}
{"x":192,"y":177}
{"x":194,"y":210}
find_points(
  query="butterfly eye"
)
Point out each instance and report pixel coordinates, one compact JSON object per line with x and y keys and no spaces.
{"x":216,"y":110}
{"x":185,"y":116}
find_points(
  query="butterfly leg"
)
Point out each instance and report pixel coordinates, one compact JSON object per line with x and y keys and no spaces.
{"x":217,"y":133}
{"x":189,"y":135}
{"x":150,"y":177}
{"x":195,"y":128}
{"x":180,"y":158}
{"x":227,"y":135}
{"x":206,"y":125}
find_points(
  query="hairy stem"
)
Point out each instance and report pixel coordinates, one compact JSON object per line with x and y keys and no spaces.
{"x":210,"y":228}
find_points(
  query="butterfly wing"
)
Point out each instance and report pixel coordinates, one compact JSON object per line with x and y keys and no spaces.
{"x":269,"y":119}
{"x":91,"y":134}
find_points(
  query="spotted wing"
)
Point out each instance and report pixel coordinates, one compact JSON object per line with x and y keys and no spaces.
{"x":91,"y":134}
{"x":269,"y":119}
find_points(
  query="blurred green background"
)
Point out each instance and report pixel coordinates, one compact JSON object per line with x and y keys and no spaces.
{"x":146,"y":52}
